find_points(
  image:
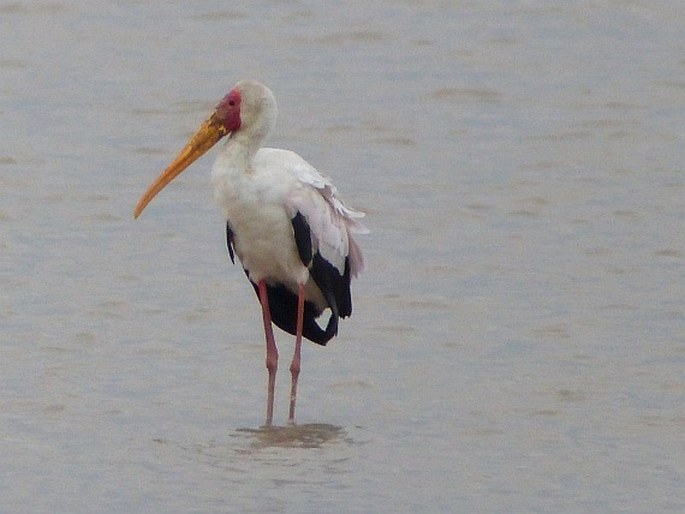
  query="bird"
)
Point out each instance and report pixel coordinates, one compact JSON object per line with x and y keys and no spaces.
{"x":285,"y":223}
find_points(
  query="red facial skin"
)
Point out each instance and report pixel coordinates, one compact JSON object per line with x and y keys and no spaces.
{"x":228,"y":111}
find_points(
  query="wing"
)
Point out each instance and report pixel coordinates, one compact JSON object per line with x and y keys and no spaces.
{"x":309,"y":192}
{"x":323,"y":228}
{"x":331,"y":222}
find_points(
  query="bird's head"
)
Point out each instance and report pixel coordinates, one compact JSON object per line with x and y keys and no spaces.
{"x":249,"y":110}
{"x":250,"y":107}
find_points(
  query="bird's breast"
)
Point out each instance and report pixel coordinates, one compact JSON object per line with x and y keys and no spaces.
{"x":262,"y":231}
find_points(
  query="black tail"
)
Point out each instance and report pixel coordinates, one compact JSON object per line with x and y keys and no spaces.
{"x":283,"y":302}
{"x":283,"y":308}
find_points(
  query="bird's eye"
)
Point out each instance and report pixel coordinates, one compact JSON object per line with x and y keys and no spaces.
{"x":231,"y":103}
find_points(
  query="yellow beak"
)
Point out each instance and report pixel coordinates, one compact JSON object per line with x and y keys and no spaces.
{"x":206,"y":136}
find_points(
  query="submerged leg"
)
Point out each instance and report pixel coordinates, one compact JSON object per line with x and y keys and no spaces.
{"x":271,"y":352}
{"x":295,"y":364}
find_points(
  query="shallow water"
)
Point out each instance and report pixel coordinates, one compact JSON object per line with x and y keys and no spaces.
{"x":518,"y":341}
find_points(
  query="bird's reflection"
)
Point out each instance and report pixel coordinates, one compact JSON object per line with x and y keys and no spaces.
{"x":311,"y":435}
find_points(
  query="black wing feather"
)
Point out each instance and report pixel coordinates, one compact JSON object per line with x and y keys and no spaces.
{"x":303,"y":238}
{"x":229,"y":241}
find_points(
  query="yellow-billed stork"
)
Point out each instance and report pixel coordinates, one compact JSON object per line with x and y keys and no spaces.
{"x":292,"y":234}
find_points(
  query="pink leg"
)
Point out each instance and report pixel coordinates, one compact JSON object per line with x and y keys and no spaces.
{"x":271,"y":351}
{"x":295,"y":364}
